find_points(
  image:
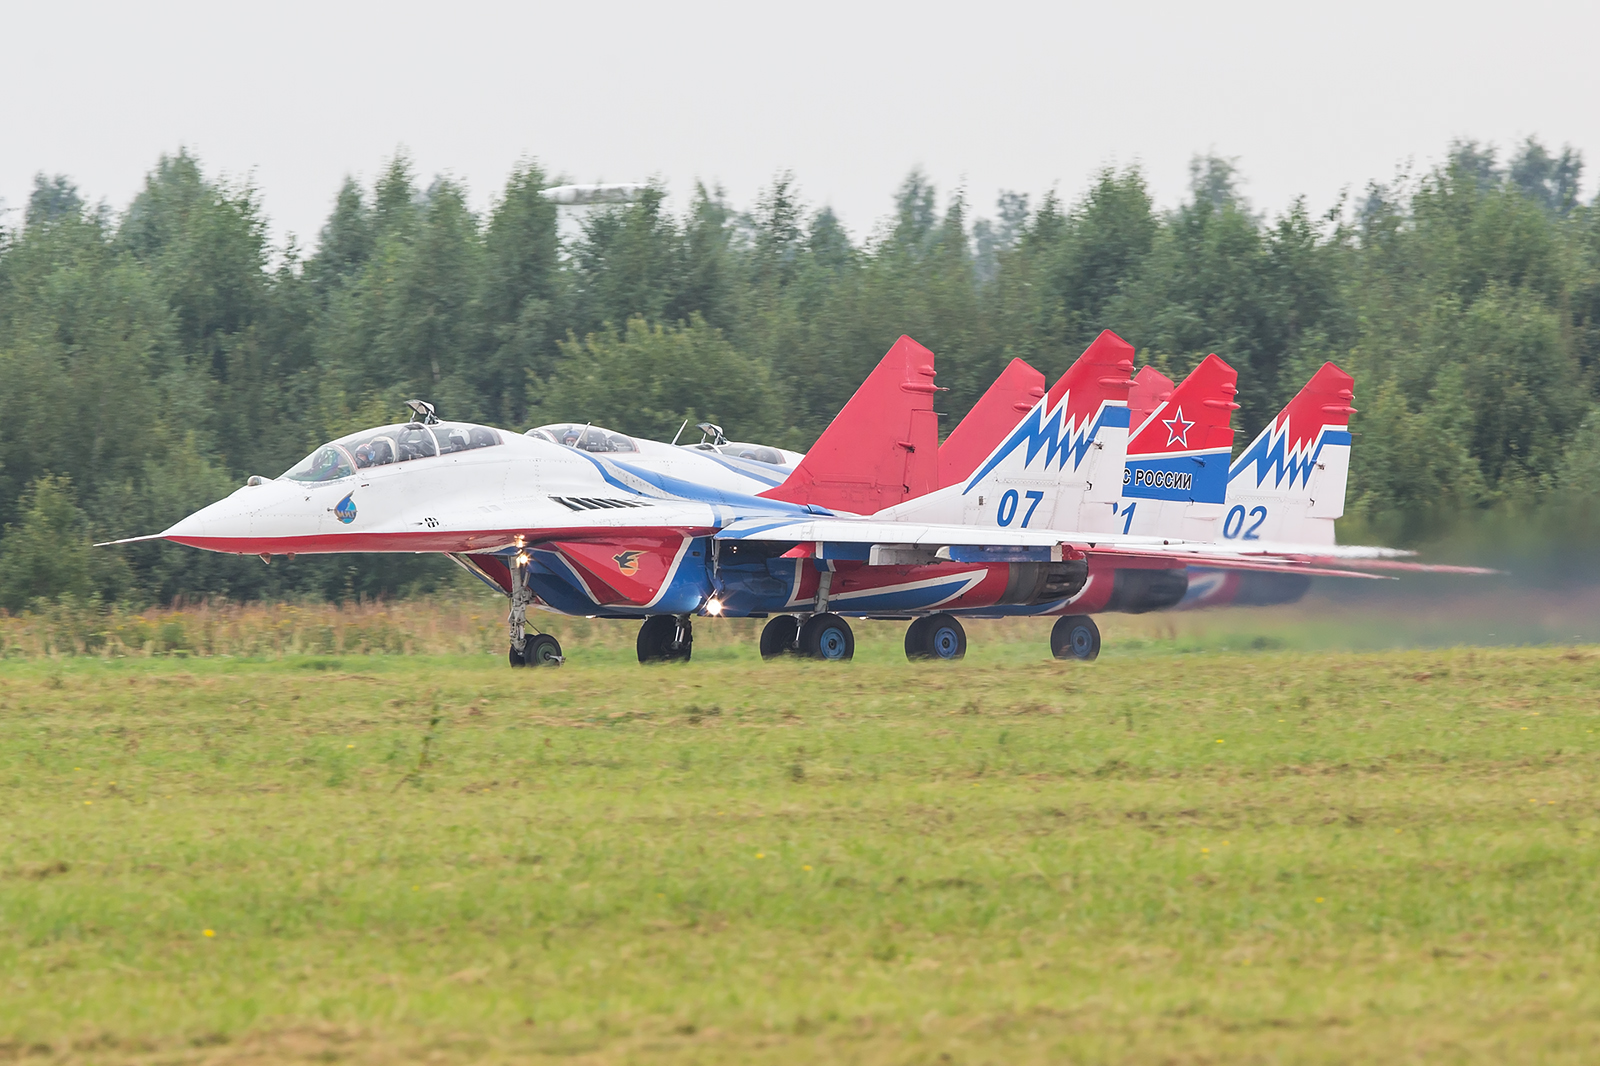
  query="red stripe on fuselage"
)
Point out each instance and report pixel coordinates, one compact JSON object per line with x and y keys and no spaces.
{"x":429,"y":540}
{"x":1102,"y":582}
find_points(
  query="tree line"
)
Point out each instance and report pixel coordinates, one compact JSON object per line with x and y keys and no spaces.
{"x":151,"y":358}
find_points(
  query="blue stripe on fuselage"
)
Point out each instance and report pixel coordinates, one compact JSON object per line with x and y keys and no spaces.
{"x":772,"y":480}
{"x":691,"y":491}
{"x":894,"y":600}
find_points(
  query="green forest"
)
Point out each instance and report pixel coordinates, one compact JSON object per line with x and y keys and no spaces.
{"x":153,"y":357}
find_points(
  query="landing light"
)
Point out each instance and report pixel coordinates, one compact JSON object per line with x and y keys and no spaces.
{"x":520,"y":559}
{"x":713,"y":607}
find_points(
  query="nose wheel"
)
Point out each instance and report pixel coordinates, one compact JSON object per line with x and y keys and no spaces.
{"x":539,"y":650}
{"x":1075,"y":637}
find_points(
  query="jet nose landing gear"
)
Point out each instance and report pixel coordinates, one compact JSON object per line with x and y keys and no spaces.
{"x":540,"y":649}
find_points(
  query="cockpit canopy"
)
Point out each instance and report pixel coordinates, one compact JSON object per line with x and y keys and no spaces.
{"x":600,"y":439}
{"x":390,"y":444}
{"x":759,"y":452}
{"x":585,"y":438}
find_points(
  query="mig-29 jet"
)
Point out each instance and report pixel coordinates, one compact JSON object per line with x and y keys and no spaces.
{"x":600,"y":524}
{"x":1281,"y":497}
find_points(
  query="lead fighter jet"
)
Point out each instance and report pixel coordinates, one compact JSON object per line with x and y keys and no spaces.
{"x":583,"y":521}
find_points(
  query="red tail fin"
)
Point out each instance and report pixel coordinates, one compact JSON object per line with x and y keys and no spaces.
{"x":1103,"y":372}
{"x":882,"y":448}
{"x":1196,"y":417}
{"x":1150,"y":388}
{"x":1324,"y":401}
{"x":1012,"y":395}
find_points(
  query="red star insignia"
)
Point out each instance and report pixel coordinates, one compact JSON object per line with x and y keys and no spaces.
{"x":1177,"y":430}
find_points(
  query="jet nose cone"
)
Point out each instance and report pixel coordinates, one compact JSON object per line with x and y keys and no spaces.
{"x":227,"y":519}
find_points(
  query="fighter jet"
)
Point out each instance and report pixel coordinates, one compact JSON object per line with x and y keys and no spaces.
{"x":577,"y":519}
{"x":1281,"y":497}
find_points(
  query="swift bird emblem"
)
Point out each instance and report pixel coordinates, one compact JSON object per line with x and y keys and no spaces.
{"x":627,"y":562}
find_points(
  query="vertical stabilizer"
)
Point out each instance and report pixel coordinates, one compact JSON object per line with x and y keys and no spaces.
{"x":1012,"y":395}
{"x":1061,"y":466}
{"x":1176,"y":476}
{"x":1151,"y":388}
{"x":1288,"y":486}
{"x":882,"y":448}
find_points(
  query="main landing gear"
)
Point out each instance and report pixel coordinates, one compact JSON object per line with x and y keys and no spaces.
{"x":822,"y":636}
{"x":541,"y":649}
{"x":936,"y":636}
{"x":666,"y":638}
{"x":1075,"y":636}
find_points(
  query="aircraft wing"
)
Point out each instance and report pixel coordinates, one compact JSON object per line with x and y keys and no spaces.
{"x":1363,"y":556}
{"x":1403,"y":566}
{"x":844,"y":538}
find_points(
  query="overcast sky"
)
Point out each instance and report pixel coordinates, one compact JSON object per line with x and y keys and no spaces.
{"x":1312,"y":99}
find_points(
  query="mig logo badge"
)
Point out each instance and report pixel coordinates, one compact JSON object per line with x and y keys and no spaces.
{"x":627,"y":562}
{"x":346,"y":510}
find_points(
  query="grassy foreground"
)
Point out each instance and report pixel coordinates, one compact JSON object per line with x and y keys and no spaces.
{"x":1208,"y":857}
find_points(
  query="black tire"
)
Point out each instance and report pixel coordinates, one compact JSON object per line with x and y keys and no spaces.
{"x":516,"y":657}
{"x":1075,"y":637}
{"x":827,"y":636}
{"x":542,"y":650}
{"x":917,"y":639}
{"x":778,"y":636}
{"x":938,"y":636}
{"x":657,"y":640}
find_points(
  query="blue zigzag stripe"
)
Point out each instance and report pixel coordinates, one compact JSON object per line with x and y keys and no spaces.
{"x":1269,"y":456}
{"x":1044,"y":432}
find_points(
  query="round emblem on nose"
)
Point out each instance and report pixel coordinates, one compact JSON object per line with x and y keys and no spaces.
{"x":346,"y":511}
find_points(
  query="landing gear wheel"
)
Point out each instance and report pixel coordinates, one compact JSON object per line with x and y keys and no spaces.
{"x":938,"y":636}
{"x":1075,"y":637}
{"x":917,"y":638}
{"x":542,"y":650}
{"x":778,"y":636}
{"x":516,"y":657}
{"x":666,"y":638}
{"x":827,"y":636}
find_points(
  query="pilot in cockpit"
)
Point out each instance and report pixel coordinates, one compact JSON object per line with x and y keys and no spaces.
{"x":375,"y":452}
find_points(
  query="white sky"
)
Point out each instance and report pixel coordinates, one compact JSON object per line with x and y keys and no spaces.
{"x":1311,"y":98}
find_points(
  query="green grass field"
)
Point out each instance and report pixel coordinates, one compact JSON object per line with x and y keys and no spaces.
{"x":1177,"y":854}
